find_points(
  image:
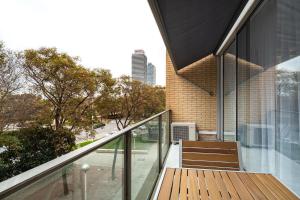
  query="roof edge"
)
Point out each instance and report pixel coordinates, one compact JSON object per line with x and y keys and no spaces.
{"x":162,"y":28}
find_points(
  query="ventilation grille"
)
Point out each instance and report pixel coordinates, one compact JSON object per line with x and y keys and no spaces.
{"x":180,"y":133}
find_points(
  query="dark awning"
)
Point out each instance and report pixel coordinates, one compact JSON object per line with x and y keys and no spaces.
{"x":193,"y":29}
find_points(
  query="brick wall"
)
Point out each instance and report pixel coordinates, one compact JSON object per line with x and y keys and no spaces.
{"x":191,"y":94}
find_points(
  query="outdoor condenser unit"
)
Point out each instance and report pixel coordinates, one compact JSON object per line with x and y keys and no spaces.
{"x":183,"y":131}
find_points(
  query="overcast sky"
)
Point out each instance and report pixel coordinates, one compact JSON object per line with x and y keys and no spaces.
{"x":103,"y":33}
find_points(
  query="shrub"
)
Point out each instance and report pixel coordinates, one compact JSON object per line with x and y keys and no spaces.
{"x":11,"y":147}
{"x":31,"y":147}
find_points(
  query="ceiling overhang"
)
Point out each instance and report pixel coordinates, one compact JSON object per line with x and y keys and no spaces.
{"x":193,"y":29}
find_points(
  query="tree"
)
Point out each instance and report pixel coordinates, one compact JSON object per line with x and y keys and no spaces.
{"x":12,"y":149}
{"x":10,"y":80}
{"x":31,"y":147}
{"x":128,"y":101}
{"x":155,"y":101}
{"x":26,"y":110}
{"x":68,"y":86}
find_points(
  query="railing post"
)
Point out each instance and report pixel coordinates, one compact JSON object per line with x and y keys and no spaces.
{"x":160,"y":141}
{"x":127,"y":166}
{"x":84,"y":169}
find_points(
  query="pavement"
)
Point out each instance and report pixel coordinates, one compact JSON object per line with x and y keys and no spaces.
{"x":109,"y":128}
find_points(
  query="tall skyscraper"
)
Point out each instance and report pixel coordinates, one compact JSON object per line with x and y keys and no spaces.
{"x":151,"y":74}
{"x":139,"y":66}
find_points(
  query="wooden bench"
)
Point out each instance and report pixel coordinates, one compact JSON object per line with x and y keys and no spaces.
{"x":212,"y":184}
{"x":209,"y":155}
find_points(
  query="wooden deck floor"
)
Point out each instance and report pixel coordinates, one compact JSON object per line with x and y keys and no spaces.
{"x":212,"y":184}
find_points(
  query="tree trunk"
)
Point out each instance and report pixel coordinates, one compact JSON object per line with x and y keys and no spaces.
{"x":57,"y":119}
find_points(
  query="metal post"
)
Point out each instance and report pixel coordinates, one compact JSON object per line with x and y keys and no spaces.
{"x":127,"y":166}
{"x":159,"y":141}
{"x":84,"y":169}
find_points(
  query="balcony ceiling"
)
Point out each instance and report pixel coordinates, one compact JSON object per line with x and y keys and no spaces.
{"x":193,"y":29}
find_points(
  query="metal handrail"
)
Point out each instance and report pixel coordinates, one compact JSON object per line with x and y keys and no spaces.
{"x":24,"y":179}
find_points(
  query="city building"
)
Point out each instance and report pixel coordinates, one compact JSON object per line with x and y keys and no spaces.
{"x":151,"y":74}
{"x":232,"y":69}
{"x":139,"y":66}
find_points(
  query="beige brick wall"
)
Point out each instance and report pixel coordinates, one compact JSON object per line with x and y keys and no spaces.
{"x":190,"y":94}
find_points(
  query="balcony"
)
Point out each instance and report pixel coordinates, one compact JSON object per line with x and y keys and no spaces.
{"x":125,"y":165}
{"x":232,"y":68}
{"x":130,"y":164}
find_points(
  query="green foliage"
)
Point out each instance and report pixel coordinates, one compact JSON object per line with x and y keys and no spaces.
{"x":31,"y":147}
{"x":13,"y":148}
{"x":82,"y":144}
{"x":138,"y":143}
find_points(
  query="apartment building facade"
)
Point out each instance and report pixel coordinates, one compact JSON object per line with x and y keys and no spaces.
{"x":139,"y":66}
{"x":151,"y":74}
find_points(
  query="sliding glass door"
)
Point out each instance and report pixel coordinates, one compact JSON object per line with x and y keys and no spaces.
{"x":268,"y":91}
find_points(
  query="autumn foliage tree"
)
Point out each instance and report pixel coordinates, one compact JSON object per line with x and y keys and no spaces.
{"x":69,"y":87}
{"x":27,"y":110}
{"x":128,"y":101}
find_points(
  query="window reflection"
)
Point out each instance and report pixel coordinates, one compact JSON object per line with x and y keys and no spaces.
{"x":268,"y":92}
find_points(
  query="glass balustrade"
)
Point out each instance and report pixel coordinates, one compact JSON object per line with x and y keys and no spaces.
{"x":126,"y":165}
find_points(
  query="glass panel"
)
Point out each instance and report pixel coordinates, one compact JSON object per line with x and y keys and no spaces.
{"x":100,"y":173}
{"x":230,"y":93}
{"x":144,"y":159}
{"x":269,"y":91}
{"x":165,"y":135}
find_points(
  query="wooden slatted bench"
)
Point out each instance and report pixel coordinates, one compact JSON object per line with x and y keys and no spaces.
{"x":209,"y":155}
{"x":213,"y":184}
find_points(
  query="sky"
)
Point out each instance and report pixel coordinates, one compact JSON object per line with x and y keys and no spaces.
{"x":103,"y":33}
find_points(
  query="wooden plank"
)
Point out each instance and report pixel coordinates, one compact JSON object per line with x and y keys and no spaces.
{"x":211,"y":185}
{"x":193,"y":183}
{"x":207,"y":137}
{"x":281,"y":187}
{"x":176,"y":185}
{"x":230,"y":188}
{"x":210,"y":167}
{"x":271,"y":186}
{"x":269,"y":194}
{"x":209,"y":150}
{"x":210,"y":157}
{"x":252,"y":188}
{"x":239,"y":186}
{"x":202,"y":185}
{"x":183,"y":184}
{"x":165,"y":190}
{"x":221,"y":145}
{"x":221,"y":185}
{"x":211,"y":163}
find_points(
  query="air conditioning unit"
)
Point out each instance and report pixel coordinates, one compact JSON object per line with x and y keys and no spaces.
{"x":183,"y":131}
